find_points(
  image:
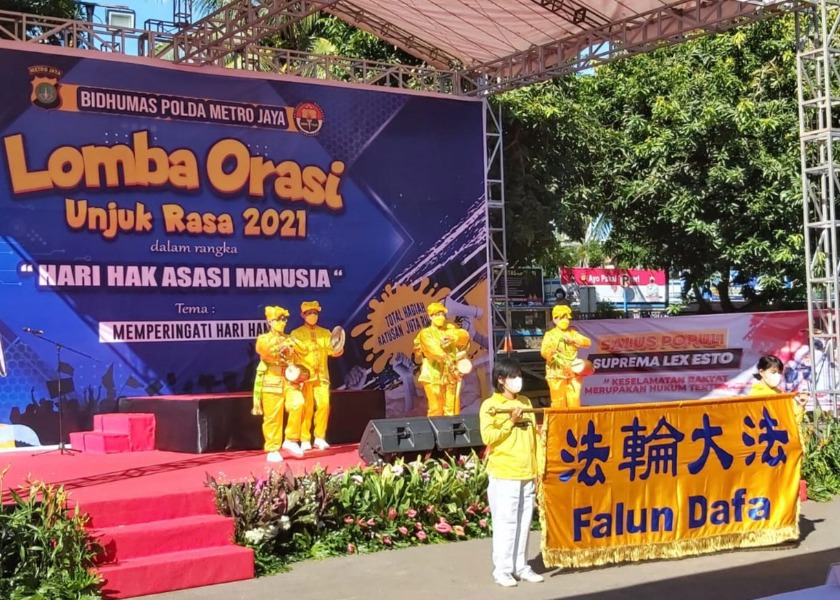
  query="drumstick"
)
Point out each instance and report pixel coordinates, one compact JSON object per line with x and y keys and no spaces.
{"x":506,"y":411}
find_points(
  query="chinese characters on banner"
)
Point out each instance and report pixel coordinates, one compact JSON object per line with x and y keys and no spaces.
{"x":666,"y":480}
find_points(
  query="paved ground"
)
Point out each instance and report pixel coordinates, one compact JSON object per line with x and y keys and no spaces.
{"x":461,"y":571}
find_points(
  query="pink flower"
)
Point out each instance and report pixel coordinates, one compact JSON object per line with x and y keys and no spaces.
{"x":421,"y":535}
{"x":403,"y":530}
{"x":459,"y":531}
{"x":483,"y":523}
{"x":411,"y":513}
{"x":418,"y":526}
{"x":443,"y":527}
{"x":486,"y":510}
{"x":470,"y":510}
{"x":386,"y":539}
{"x":371,"y":522}
{"x":392,"y":513}
{"x":430,"y":509}
{"x":349,"y":520}
{"x":351,"y":549}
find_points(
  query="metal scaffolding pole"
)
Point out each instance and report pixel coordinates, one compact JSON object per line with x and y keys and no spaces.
{"x":497,"y":240}
{"x":819,"y":134}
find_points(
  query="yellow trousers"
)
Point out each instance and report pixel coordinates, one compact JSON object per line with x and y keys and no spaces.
{"x":443,"y":399}
{"x":565,"y":393}
{"x":316,"y":397}
{"x":273,"y":406}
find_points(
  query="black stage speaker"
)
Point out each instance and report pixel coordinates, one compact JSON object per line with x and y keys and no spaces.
{"x":461,"y":431}
{"x":383,"y":438}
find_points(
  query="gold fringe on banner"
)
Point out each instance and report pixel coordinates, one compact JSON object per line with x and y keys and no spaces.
{"x":591,"y":557}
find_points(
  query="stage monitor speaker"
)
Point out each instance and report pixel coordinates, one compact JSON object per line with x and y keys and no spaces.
{"x":461,"y":431}
{"x":384,"y":438}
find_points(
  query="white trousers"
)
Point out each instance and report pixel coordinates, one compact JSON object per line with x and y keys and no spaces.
{"x":511,"y":506}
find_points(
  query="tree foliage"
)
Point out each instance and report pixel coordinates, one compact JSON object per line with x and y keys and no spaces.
{"x":64,"y":9}
{"x":700,"y":161}
{"x":551,"y":144}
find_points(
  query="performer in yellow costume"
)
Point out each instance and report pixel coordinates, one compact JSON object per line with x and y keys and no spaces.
{"x":441,"y":345}
{"x":564,"y":371}
{"x":314,"y":348}
{"x":273,"y":393}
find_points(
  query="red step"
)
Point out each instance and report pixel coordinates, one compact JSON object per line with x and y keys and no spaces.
{"x":177,"y":571}
{"x":97,"y":442}
{"x":130,"y":510}
{"x":123,"y":542}
{"x":139,"y":427}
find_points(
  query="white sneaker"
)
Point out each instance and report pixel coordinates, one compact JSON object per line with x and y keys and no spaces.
{"x":530,"y":576}
{"x":292,"y":448}
{"x":321,"y":444}
{"x":305,"y":446}
{"x":505,"y":580}
{"x":274,"y":457}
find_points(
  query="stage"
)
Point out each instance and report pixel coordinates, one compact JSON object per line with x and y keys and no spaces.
{"x":152,"y":512}
{"x":90,"y":477}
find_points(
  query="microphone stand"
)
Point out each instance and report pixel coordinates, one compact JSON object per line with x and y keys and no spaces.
{"x":62,"y":449}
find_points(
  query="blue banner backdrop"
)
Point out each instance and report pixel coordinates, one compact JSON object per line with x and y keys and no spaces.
{"x":150,"y":212}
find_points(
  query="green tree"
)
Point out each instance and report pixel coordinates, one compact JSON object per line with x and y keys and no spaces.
{"x":702,"y":173}
{"x":64,"y":9}
{"x":552,"y":142}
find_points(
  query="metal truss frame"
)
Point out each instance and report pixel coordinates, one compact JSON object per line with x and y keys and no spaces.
{"x":496,"y":229}
{"x":818,"y":73}
{"x":435,"y":57}
{"x":229,"y":29}
{"x":658,"y":28}
{"x":345,"y":69}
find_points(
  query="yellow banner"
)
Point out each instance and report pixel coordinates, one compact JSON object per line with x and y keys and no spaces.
{"x":645,"y":481}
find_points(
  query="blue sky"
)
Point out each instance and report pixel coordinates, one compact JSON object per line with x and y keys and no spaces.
{"x":144,"y":9}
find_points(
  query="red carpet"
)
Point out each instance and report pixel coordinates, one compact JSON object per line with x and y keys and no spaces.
{"x":153,"y":514}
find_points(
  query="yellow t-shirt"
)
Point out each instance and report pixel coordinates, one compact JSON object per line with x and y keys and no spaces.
{"x":759,"y":388}
{"x":513,"y":448}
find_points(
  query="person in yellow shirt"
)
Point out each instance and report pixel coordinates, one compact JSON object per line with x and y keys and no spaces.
{"x":273,"y":393}
{"x":441,"y":345}
{"x":315,"y":348}
{"x":769,"y":382}
{"x":564,"y":371}
{"x":511,"y":441}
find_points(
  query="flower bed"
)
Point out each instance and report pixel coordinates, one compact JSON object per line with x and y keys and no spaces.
{"x":45,"y":552}
{"x":364,"y":509}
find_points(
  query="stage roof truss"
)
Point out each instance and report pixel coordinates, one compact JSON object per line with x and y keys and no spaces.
{"x":663,"y":26}
{"x":585,"y":34}
{"x":234,"y":26}
{"x":346,"y":69}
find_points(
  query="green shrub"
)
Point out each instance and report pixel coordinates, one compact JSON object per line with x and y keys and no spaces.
{"x":821,"y":455}
{"x":45,"y":553}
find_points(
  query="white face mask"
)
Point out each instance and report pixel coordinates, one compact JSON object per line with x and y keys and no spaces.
{"x":513,"y":385}
{"x":773,"y":379}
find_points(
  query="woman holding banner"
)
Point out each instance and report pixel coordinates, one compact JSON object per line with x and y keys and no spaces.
{"x":769,"y":381}
{"x":511,"y":439}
